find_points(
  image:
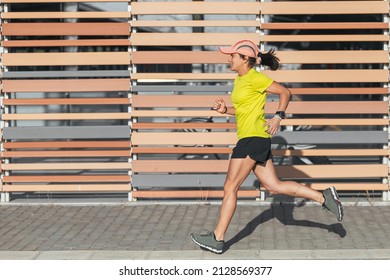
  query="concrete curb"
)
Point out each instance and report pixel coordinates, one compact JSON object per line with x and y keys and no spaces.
{"x":345,"y":254}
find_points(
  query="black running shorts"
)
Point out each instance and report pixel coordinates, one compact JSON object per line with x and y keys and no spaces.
{"x":257,"y":148}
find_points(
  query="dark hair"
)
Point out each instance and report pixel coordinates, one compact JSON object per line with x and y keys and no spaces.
{"x":268,"y":59}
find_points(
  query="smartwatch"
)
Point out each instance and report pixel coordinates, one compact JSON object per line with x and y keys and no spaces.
{"x":281,"y":115}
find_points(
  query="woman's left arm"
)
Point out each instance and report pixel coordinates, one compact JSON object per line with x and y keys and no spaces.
{"x":284,"y":98}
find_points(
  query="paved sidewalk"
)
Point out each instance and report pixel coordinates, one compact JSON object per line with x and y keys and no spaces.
{"x":161,"y":231}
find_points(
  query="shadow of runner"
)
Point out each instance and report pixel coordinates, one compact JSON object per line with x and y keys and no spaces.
{"x":283,"y":211}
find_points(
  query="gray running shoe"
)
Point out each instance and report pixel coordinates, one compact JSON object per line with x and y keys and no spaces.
{"x":332,"y":203}
{"x":207,"y":241}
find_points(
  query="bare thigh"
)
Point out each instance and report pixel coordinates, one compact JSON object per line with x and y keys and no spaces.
{"x":266,"y":174}
{"x":238,"y":171}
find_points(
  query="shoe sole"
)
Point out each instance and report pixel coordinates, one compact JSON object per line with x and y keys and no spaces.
{"x":339,"y":206}
{"x":207,"y":247}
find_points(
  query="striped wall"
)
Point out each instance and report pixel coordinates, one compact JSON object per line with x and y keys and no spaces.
{"x":114,"y":96}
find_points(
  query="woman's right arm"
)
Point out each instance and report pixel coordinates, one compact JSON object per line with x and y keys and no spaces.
{"x":220,"y":107}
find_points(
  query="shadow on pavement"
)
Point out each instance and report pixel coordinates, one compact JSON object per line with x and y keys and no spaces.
{"x":284,"y":213}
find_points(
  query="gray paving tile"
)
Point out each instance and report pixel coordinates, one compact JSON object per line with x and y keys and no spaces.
{"x":166,"y":227}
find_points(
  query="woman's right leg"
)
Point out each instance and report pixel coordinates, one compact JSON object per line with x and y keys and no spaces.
{"x":328,"y":198}
{"x":267,"y":176}
{"x":238,"y":171}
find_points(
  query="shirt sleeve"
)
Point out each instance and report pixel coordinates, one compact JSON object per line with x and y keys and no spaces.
{"x":261,"y":82}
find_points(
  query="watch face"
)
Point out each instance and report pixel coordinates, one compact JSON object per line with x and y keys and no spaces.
{"x":281,"y":114}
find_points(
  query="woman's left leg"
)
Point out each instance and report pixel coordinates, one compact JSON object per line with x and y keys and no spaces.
{"x":238,"y":171}
{"x":267,"y":176}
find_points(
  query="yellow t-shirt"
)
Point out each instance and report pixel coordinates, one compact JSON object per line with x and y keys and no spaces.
{"x":248,"y":98}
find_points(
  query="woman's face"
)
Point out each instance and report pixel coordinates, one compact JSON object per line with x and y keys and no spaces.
{"x":237,"y":63}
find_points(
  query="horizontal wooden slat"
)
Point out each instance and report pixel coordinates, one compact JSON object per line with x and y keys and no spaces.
{"x":152,"y":88}
{"x":331,"y":107}
{"x":303,"y":152}
{"x":333,"y":171}
{"x":65,"y":43}
{"x":348,"y":137}
{"x":335,"y":57}
{"x":80,"y":58}
{"x":324,"y":7}
{"x":66,"y":74}
{"x":205,"y":101}
{"x":66,"y":166}
{"x":296,"y":171}
{"x":284,"y":137}
{"x":161,"y":77}
{"x":189,"y":39}
{"x":59,"y":1}
{"x":338,"y":122}
{"x":322,"y":25}
{"x":286,"y":122}
{"x":331,"y":152}
{"x":66,"y":188}
{"x":267,"y":25}
{"x":295,"y":107}
{"x":66,"y":85}
{"x":180,"y":180}
{"x":340,"y":90}
{"x":66,"y":132}
{"x":188,"y":138}
{"x":173,"y":181}
{"x":183,"y":166}
{"x":298,"y":7}
{"x":64,"y":154}
{"x":66,"y":144}
{"x":217,"y":39}
{"x":67,"y":116}
{"x":181,"y":150}
{"x":66,"y":28}
{"x":178,"y":57}
{"x":66,"y":178}
{"x":65,"y":101}
{"x":291,"y":76}
{"x":199,"y":7}
{"x":154,"y":181}
{"x":183,"y":101}
{"x":301,"y":57}
{"x":191,"y":194}
{"x":325,"y":38}
{"x":185,"y":125}
{"x":215,"y":89}
{"x":350,"y":186}
{"x":63,"y":15}
{"x":195,"y":23}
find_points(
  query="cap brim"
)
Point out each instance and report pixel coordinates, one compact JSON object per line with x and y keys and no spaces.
{"x":227,"y":50}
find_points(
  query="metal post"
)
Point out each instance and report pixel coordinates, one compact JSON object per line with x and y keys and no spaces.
{"x":386,"y":194}
{"x":131,"y":69}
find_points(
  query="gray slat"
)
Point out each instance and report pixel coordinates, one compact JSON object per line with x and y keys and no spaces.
{"x":75,"y":132}
{"x":330,"y":137}
{"x":142,"y":181}
{"x":65,"y":74}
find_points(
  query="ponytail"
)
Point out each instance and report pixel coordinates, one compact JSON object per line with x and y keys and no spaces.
{"x":269,"y":59}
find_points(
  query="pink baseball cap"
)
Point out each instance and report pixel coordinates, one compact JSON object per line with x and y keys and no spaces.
{"x":244,"y":47}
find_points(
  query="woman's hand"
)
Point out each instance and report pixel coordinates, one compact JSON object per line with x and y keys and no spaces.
{"x":273,"y":125}
{"x":219,"y":105}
